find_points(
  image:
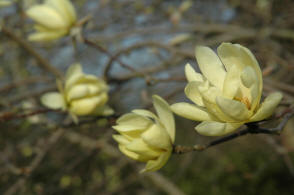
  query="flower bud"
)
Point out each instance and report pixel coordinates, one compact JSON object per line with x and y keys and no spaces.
{"x":54,"y":19}
{"x":83,"y":94}
{"x":145,"y":137}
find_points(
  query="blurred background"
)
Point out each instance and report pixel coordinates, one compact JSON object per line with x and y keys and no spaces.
{"x":43,"y":152}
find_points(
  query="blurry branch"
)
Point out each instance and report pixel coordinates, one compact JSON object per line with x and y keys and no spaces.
{"x":142,"y":45}
{"x":122,"y":64}
{"x":42,"y":62}
{"x":49,"y":143}
{"x":252,"y":128}
{"x":235,"y":30}
{"x":10,"y":115}
{"x":16,"y":84}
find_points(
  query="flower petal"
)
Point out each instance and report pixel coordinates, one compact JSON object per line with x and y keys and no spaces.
{"x":145,"y":113}
{"x":140,"y":147}
{"x":235,"y":109}
{"x":192,"y":92}
{"x":133,"y":120}
{"x":232,"y":82}
{"x":64,"y":8}
{"x":212,"y":128}
{"x":46,"y":36}
{"x":248,"y":77}
{"x":53,"y":100}
{"x":235,"y":54}
{"x":211,"y":66}
{"x":165,"y":115}
{"x":154,"y":165}
{"x":191,"y":112}
{"x":191,"y":75}
{"x":129,"y":154}
{"x":267,"y":107}
{"x":156,"y":136}
{"x":47,"y":17}
{"x":87,"y":105}
{"x":121,"y":139}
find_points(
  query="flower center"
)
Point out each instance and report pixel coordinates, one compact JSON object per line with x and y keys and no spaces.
{"x":245,"y":101}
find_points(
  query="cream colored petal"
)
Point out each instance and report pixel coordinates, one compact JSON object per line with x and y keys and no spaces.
{"x":254,"y":93}
{"x":191,"y":112}
{"x":208,"y":93}
{"x":165,"y":115}
{"x":134,"y":119}
{"x":232,"y":82}
{"x":267,"y":107}
{"x":140,"y":147}
{"x":121,"y":139}
{"x":73,"y":73}
{"x":248,"y":77}
{"x":64,"y":8}
{"x":82,"y":90}
{"x":129,"y":154}
{"x":53,"y":100}
{"x":46,"y":36}
{"x":145,"y":113}
{"x":212,"y":128}
{"x":192,"y":92}
{"x":235,"y":109}
{"x":88,"y":105}
{"x":46,"y":16}
{"x":192,"y":75}
{"x":157,"y":137}
{"x":154,"y":165}
{"x":211,"y":66}
{"x":235,"y":54}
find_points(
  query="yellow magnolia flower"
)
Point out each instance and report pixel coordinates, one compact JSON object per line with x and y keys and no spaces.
{"x":227,"y":94}
{"x":82,"y":94}
{"x":54,"y":19}
{"x":145,"y":137}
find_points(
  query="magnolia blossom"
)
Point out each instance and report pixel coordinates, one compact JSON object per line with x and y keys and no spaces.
{"x":54,"y":19}
{"x":82,"y":94}
{"x":145,"y":137}
{"x":227,"y":94}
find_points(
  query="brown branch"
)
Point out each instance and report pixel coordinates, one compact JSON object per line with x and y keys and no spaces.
{"x":42,"y":62}
{"x":252,"y":128}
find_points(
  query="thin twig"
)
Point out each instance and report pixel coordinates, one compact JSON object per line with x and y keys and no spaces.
{"x":42,"y":62}
{"x":252,"y":128}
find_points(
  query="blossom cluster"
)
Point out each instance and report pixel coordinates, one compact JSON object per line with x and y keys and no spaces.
{"x":225,"y":96}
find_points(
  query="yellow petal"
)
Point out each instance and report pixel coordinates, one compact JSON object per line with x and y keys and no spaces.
{"x":46,"y":36}
{"x":248,"y":77}
{"x":157,"y":137}
{"x":191,"y":75}
{"x":87,"y":105}
{"x":232,"y":82}
{"x":267,"y":107}
{"x":235,"y":109}
{"x":121,"y":139}
{"x":145,"y":113}
{"x":131,"y":121}
{"x":140,"y":147}
{"x":192,"y":92}
{"x":53,"y":100}
{"x":129,"y":154}
{"x":235,"y":54}
{"x":211,"y":66}
{"x":212,"y":128}
{"x":154,"y":165}
{"x":73,"y":73}
{"x":64,"y":8}
{"x":191,"y":112}
{"x":165,"y":115}
{"x":82,"y":90}
{"x":46,"y":16}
